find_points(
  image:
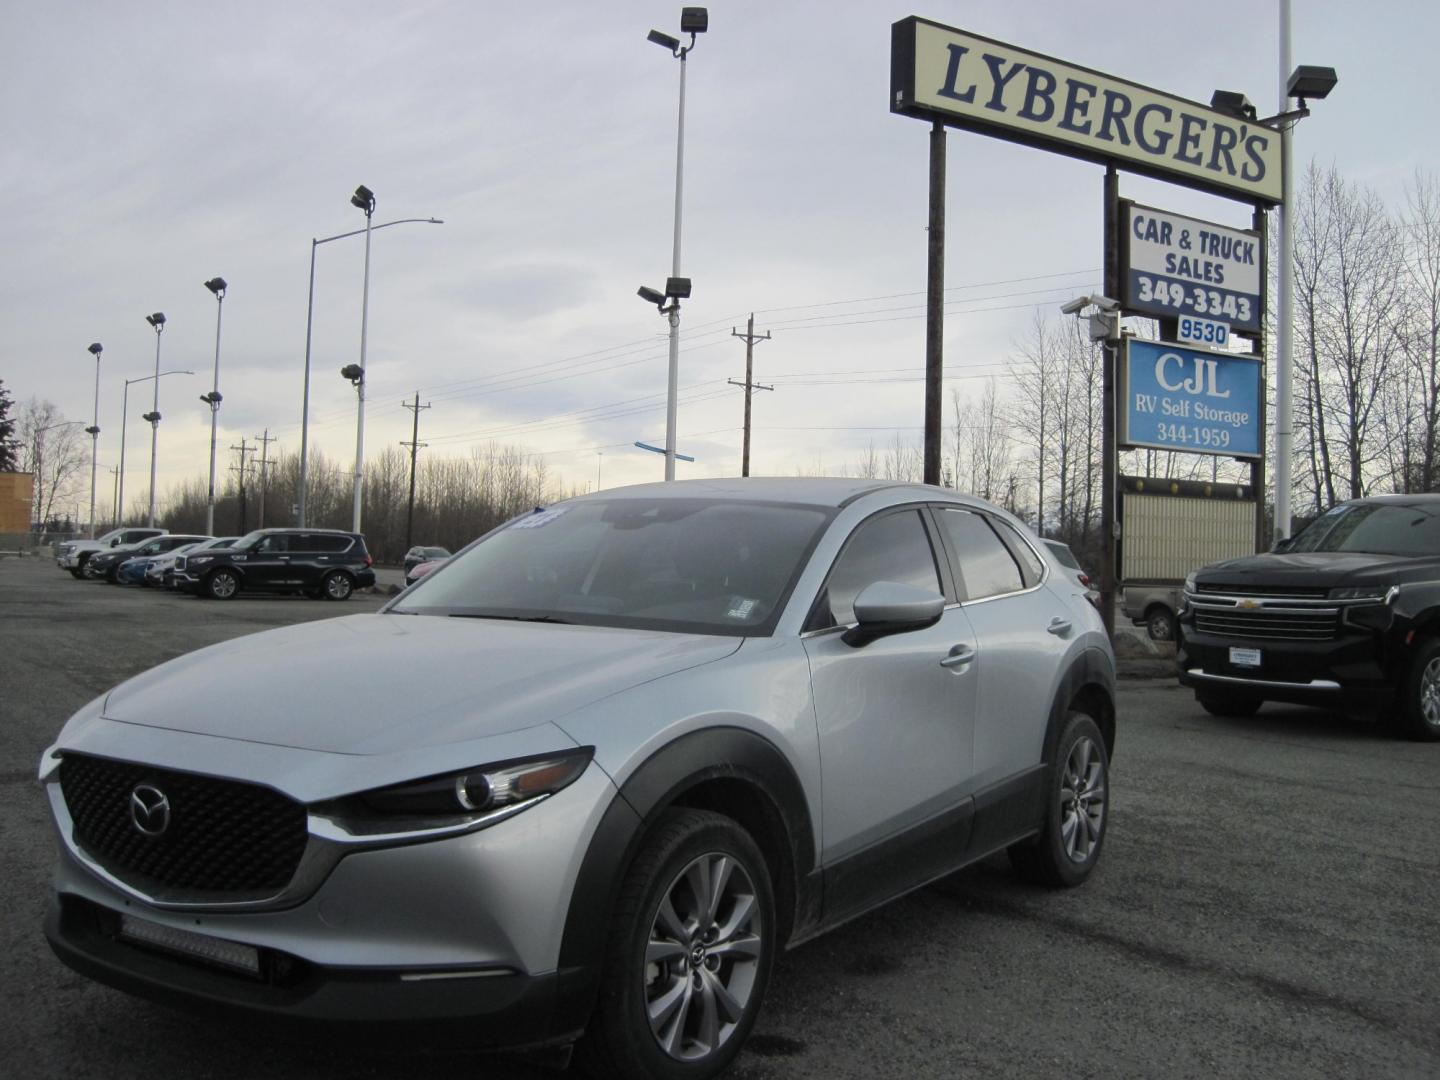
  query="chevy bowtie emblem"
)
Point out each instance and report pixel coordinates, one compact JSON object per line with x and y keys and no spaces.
{"x":1249,"y":605}
{"x":149,"y":809}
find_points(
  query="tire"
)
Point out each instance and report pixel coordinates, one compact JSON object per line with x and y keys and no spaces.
{"x":682,"y":983}
{"x":222,"y":584}
{"x":1077,"y":809}
{"x":1160,"y":624}
{"x":337,"y":586}
{"x":1419,"y":708}
{"x":76,"y":573}
{"x":1235,"y":705}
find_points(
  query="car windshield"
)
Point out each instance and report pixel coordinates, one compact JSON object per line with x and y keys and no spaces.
{"x":1063,"y":553}
{"x":1381,"y":528}
{"x":688,"y":565}
{"x":248,"y":540}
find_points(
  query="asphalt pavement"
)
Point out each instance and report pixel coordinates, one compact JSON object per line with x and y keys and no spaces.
{"x":1264,"y":907}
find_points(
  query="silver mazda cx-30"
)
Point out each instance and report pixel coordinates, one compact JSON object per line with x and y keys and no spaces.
{"x":584,"y":781}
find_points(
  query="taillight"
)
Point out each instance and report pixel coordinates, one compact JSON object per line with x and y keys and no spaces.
{"x":1084,"y":580}
{"x":369,"y":559}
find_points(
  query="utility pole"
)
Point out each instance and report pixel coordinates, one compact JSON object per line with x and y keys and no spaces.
{"x":414,"y":444}
{"x":264,"y":441}
{"x":749,"y":385}
{"x":242,"y":449}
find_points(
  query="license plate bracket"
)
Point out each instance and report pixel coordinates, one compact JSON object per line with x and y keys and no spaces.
{"x":1246,"y":658}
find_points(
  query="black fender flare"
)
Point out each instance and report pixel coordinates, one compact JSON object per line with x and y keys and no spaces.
{"x":719,"y":753}
{"x":1093,"y":672}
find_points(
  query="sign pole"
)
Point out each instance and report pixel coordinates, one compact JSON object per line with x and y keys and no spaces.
{"x":1263,"y":534}
{"x":935,"y":306}
{"x":1109,"y":461}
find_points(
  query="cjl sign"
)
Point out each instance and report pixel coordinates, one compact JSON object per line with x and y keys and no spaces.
{"x":1174,"y":398}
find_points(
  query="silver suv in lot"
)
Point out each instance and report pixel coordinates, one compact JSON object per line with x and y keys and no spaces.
{"x":587,"y":779}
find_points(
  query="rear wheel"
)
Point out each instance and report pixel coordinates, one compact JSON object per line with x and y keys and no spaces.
{"x":1419,"y":717}
{"x":1160,"y":624}
{"x":1077,"y":805}
{"x":337,"y":586}
{"x":1237,"y":705}
{"x":76,"y":573}
{"x":222,"y":584}
{"x":691,"y":944}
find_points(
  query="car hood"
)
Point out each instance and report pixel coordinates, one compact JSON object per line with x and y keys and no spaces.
{"x":378,"y":684}
{"x":1316,"y":569}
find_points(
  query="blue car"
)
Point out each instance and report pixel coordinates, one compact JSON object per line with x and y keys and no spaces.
{"x":132,"y":571}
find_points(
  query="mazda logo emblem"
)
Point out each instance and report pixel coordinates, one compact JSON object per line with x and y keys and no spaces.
{"x":149,"y":809}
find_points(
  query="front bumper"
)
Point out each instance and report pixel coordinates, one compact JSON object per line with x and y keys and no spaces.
{"x":462,"y":933}
{"x":1348,"y":673}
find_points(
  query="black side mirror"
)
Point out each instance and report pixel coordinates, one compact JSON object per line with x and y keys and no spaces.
{"x":888,"y":607}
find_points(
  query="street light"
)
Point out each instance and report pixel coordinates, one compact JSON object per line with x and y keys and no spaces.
{"x":693,"y":20}
{"x":217,"y":286}
{"x":309,"y":321}
{"x":124,"y":417}
{"x":157,"y":322}
{"x":94,"y":431}
{"x":364,"y":199}
{"x":1301,"y":83}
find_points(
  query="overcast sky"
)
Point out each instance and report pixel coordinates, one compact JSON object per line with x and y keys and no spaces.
{"x":150,"y":146}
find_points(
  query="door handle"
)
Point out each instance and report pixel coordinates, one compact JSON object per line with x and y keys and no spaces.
{"x":1058,"y":626}
{"x":959,"y":657}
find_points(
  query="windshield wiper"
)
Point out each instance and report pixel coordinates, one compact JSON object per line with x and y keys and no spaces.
{"x":509,"y":618}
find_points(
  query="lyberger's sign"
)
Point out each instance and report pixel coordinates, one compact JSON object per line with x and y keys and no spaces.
{"x":957,"y":78}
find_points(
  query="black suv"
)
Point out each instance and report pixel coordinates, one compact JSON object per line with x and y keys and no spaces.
{"x":1345,"y":616}
{"x":317,"y":562}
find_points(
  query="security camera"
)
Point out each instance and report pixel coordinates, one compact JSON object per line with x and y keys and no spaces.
{"x":1074,"y":307}
{"x":1104,"y":303}
{"x":651,"y":296}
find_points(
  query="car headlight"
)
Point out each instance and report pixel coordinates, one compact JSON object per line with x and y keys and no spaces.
{"x":198,"y":560}
{"x":467,"y":799}
{"x":1189,"y":582}
{"x":1379,"y":593}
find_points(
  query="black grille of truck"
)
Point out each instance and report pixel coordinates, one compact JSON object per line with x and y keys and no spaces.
{"x":220,"y":836}
{"x":1268,"y":618}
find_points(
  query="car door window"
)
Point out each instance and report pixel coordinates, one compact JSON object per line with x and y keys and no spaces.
{"x":1030,"y":564}
{"x":894,"y":547}
{"x":985,"y":565}
{"x":272,"y":545}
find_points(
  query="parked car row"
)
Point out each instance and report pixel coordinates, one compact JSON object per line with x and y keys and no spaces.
{"x":320,"y":563}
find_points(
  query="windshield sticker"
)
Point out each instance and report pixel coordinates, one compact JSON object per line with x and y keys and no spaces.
{"x":540,"y":518}
{"x":740,"y":608}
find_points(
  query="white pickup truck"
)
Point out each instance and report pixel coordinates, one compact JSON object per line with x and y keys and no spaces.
{"x":73,"y":554}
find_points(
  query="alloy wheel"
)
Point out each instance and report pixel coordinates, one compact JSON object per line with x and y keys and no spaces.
{"x":1430,"y":693}
{"x":1082,"y":800}
{"x":702,"y":957}
{"x":223,"y":585}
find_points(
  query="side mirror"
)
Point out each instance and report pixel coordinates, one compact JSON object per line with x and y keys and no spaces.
{"x":114,"y":543}
{"x":888,"y":607}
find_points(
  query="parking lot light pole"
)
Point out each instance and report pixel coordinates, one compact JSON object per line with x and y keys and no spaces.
{"x":692,"y":21}
{"x":309,"y":325}
{"x":157,"y":322}
{"x":363,"y":198}
{"x":124,"y":416}
{"x":213,"y":399}
{"x":356,"y":374}
{"x":94,"y":431}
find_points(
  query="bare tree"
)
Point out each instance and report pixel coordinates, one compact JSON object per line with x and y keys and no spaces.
{"x":53,"y":450}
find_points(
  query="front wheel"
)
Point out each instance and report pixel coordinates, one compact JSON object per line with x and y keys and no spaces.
{"x":337,"y":586}
{"x":222,"y":585}
{"x":692,"y":940}
{"x":1419,"y":717}
{"x":1077,"y":805}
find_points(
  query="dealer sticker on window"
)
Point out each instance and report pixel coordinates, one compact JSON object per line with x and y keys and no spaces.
{"x":1245,"y":657}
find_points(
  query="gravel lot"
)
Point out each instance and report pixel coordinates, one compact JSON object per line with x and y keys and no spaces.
{"x":1265,"y":905}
